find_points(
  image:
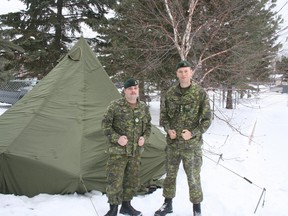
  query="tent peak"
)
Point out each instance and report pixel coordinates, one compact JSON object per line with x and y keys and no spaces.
{"x":76,"y":54}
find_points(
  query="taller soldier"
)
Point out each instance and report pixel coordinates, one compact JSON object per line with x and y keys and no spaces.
{"x":185,"y":116}
{"x":127,"y":124}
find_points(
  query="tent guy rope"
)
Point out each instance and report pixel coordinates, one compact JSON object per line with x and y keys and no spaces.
{"x":89,"y":197}
{"x":246,"y":179}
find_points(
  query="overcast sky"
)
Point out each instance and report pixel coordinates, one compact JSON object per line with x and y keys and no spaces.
{"x":282,"y":9}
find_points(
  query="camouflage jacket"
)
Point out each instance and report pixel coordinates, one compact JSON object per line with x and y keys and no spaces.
{"x":190,"y":110}
{"x":120,"y":119}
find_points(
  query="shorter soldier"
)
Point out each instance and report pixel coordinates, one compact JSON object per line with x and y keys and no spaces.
{"x":127,"y":124}
{"x":185,"y":116}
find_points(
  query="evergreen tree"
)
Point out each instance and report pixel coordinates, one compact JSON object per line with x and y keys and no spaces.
{"x":282,"y":65}
{"x":282,"y":68}
{"x":47,"y":28}
{"x":250,"y":35}
{"x":8,"y":52}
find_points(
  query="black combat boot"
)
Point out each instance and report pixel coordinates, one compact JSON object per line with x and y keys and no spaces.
{"x":165,"y":209}
{"x":127,"y":209}
{"x":113,"y":210}
{"x":197,"y":209}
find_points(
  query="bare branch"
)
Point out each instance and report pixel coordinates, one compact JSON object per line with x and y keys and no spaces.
{"x":174,"y":26}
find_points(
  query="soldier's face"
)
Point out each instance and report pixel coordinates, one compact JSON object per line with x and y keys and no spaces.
{"x":184,"y":74}
{"x":132,"y":93}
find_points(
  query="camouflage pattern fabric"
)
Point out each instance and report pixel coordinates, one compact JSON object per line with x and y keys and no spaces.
{"x":123,"y":178}
{"x":189,"y":110}
{"x":123,"y":165}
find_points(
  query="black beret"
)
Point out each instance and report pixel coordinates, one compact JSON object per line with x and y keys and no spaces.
{"x":183,"y":63}
{"x":130,"y":82}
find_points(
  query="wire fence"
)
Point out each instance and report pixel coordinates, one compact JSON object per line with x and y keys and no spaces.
{"x":14,"y":90}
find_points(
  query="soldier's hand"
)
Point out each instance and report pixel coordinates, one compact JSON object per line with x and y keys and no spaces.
{"x":172,"y":134}
{"x":122,"y":140}
{"x":141,"y":141}
{"x":186,"y":134}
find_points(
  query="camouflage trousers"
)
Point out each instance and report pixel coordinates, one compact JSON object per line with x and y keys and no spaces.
{"x":123,"y":178}
{"x":192,"y":161}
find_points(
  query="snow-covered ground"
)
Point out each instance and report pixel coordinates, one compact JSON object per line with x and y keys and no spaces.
{"x":253,"y":148}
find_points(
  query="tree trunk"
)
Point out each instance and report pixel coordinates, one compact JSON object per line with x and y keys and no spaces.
{"x":141,"y":91}
{"x":229,"y":99}
{"x":165,"y":85}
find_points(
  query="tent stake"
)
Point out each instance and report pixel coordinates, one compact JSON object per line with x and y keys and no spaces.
{"x":263,"y":193}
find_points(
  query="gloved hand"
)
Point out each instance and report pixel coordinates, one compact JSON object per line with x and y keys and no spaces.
{"x":141,"y":141}
{"x":186,"y":134}
{"x":122,"y":140}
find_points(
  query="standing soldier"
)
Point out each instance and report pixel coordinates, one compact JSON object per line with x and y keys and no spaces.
{"x":186,"y":115}
{"x":127,"y":124}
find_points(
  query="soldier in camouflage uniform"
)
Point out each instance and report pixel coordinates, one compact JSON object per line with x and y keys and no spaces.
{"x":185,"y":116}
{"x":127,"y":124}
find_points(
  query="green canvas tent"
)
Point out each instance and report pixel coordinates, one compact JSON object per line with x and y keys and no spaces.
{"x":51,"y":140}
